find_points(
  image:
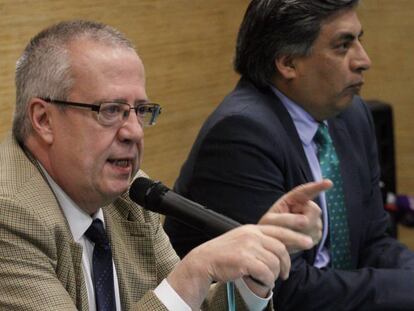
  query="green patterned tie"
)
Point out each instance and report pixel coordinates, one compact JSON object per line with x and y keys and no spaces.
{"x":338,"y":221}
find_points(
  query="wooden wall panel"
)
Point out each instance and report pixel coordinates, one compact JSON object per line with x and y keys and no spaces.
{"x":187,"y":47}
{"x":389,"y":41}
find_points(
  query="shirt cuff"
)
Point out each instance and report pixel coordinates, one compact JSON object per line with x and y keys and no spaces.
{"x":253,"y":302}
{"x":170,"y":299}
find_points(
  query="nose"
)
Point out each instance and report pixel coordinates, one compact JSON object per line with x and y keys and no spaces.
{"x":131,"y":131}
{"x":361,"y":60}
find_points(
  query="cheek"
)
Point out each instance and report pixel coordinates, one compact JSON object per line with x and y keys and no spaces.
{"x":335,"y":74}
{"x":93,"y":153}
{"x":327,"y":84}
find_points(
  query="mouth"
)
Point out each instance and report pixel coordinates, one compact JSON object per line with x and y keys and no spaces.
{"x":356,"y":85}
{"x":353,"y":88}
{"x":120,"y":163}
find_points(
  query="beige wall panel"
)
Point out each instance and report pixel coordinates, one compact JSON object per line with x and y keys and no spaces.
{"x":389,"y":40}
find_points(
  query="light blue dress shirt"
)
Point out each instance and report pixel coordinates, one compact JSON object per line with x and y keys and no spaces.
{"x":306,"y":127}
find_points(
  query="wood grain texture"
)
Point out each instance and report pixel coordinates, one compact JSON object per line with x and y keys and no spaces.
{"x":187,"y":47}
{"x":389,"y":41}
{"x":406,"y":236}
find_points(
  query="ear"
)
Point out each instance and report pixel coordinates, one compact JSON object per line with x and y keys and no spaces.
{"x":41,"y":117}
{"x":285,"y":65}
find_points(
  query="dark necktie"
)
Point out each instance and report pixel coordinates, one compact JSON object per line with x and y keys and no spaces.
{"x":103,"y":279}
{"x":338,"y":221}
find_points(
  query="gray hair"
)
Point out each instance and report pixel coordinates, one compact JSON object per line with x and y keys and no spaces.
{"x":44,"y":68}
{"x":273,"y":28}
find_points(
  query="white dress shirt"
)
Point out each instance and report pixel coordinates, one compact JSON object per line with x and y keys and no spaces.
{"x":79,"y":221}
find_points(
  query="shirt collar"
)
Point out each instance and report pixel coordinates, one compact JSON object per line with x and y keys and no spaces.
{"x":305,"y":124}
{"x":78,"y":220}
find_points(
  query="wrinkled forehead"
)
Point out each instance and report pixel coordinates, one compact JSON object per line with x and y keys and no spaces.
{"x":102,"y":69}
{"x":85,"y":50}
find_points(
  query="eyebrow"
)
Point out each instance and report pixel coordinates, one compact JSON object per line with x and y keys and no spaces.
{"x":142,"y":101}
{"x":124,"y":101}
{"x":347,"y":36}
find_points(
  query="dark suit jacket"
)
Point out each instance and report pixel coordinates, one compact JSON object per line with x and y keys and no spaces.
{"x":248,"y":154}
{"x":40,"y":263}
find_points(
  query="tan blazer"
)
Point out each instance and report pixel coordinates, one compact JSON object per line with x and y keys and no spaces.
{"x":40,"y":264}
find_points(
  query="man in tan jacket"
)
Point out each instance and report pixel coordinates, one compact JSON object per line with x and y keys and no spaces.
{"x":74,"y":150}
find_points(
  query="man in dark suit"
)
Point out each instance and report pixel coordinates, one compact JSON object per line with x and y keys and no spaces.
{"x":302,"y":67}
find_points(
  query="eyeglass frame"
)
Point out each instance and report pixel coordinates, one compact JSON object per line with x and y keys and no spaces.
{"x":96,"y":107}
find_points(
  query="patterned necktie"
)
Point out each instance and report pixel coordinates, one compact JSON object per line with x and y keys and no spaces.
{"x":103,"y":279}
{"x":338,"y":221}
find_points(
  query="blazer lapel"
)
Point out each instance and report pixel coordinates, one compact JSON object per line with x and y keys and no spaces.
{"x":81,"y":295}
{"x":297,"y":153}
{"x":69,"y":270}
{"x":133,"y":252}
{"x":291,"y":132}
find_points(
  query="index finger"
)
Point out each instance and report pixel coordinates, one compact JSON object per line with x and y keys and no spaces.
{"x":303,"y":193}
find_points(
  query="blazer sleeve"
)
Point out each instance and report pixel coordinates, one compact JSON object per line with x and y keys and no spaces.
{"x":309,"y":288}
{"x":231,"y":171}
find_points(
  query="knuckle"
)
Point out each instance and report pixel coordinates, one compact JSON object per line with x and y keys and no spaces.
{"x":315,"y":208}
{"x":320,"y":225}
{"x":302,"y":222}
{"x":281,"y":248}
{"x":319,"y":234}
{"x":249,"y":230}
{"x":244,"y":255}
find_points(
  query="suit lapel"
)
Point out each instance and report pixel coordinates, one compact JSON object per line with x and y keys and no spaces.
{"x":132,"y":250}
{"x":292,"y":134}
{"x":297,"y":153}
{"x":81,"y":295}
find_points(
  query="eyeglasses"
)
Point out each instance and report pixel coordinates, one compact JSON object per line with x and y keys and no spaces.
{"x":111,"y":114}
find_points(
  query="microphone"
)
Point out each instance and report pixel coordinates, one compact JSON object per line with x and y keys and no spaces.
{"x":156,"y":197}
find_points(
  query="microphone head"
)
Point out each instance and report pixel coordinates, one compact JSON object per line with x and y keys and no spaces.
{"x":147,"y":193}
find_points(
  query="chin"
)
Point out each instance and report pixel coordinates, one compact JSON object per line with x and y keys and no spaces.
{"x":343,"y":104}
{"x":346,"y":104}
{"x":114,"y":190}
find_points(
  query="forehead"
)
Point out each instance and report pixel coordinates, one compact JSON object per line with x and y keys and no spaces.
{"x":344,"y":22}
{"x":104,"y":70}
{"x":85,"y":53}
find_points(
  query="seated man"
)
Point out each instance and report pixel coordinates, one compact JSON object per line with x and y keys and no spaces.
{"x":70,"y":238}
{"x":295,"y":116}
